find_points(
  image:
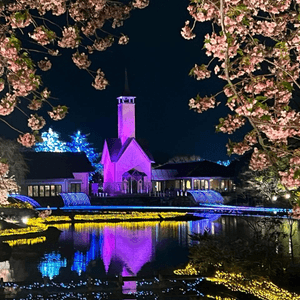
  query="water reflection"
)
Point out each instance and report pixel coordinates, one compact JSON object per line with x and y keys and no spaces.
{"x":127,"y":249}
{"x":114,"y":249}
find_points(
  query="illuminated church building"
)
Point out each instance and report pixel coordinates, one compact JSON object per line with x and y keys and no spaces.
{"x":126,"y":161}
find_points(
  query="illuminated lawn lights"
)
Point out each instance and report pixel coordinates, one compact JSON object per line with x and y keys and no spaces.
{"x":262,"y":289}
{"x":129,"y":216}
{"x":36,"y":225}
{"x":18,"y":231}
{"x":189,"y":270}
{"x":32,"y":241}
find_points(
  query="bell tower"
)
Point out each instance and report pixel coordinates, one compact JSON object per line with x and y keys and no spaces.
{"x":126,"y":114}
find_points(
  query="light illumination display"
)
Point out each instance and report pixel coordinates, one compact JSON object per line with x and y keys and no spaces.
{"x":262,"y":289}
{"x":31,"y":241}
{"x":51,"y":143}
{"x":25,"y":199}
{"x":79,"y":143}
{"x":207,"y":196}
{"x":75,"y":199}
{"x":51,"y":264}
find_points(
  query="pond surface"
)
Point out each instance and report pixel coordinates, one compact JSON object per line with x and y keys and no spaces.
{"x":143,"y":249}
{"x":128,"y":248}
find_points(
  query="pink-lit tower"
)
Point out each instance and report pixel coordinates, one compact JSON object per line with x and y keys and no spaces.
{"x":126,"y":114}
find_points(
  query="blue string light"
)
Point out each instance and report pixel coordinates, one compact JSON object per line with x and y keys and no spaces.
{"x":25,"y":199}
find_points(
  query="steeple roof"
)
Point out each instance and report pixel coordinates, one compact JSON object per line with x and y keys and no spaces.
{"x":126,"y":91}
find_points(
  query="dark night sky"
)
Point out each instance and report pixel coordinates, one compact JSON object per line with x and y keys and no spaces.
{"x":158,"y":61}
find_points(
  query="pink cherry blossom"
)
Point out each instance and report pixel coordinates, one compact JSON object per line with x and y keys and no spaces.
{"x":58,"y":113}
{"x":186,"y":31}
{"x":259,"y":160}
{"x":70,"y":38}
{"x":140,"y":3}
{"x":3,"y":168}
{"x":45,"y":64}
{"x":27,"y":140}
{"x":7,"y":104}
{"x":42,"y":35}
{"x":35,"y":104}
{"x":36,"y":122}
{"x":123,"y":40}
{"x":81,"y":60}
{"x":100,"y":81}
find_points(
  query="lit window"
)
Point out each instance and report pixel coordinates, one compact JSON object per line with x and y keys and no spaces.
{"x":188,"y":184}
{"x":206,"y":184}
{"x":47,"y":190}
{"x":42,"y":191}
{"x":52,"y":190}
{"x":29,"y":191}
{"x":35,"y":190}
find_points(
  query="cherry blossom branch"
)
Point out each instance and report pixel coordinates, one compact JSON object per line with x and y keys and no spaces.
{"x":1,"y":119}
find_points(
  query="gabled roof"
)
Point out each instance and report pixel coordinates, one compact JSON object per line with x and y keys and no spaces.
{"x":116,"y":149}
{"x":48,"y":165}
{"x":198,"y":169}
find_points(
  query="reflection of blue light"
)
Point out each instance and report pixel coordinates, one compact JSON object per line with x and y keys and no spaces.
{"x":75,"y":199}
{"x":25,"y":199}
{"x":82,"y":260}
{"x":211,"y":217}
{"x":51,"y":263}
{"x":207,"y":196}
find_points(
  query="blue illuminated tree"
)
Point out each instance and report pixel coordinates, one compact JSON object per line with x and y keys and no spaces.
{"x":79,"y":143}
{"x":51,"y":143}
{"x":225,"y":163}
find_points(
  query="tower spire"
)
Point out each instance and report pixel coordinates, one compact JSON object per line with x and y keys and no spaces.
{"x":126,"y":91}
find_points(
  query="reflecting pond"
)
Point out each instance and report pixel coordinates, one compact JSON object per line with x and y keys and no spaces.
{"x":143,"y":249}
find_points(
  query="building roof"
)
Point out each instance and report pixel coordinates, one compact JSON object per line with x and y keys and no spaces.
{"x":116,"y":149}
{"x":50,"y":165}
{"x":198,"y":169}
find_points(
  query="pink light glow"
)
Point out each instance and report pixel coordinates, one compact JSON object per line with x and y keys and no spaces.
{"x":124,"y":154}
{"x":126,"y":121}
{"x":132,"y":248}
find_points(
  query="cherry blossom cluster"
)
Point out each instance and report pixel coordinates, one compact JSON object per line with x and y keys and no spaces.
{"x":200,"y":72}
{"x":7,"y":104}
{"x":36,"y":122}
{"x":140,"y":3}
{"x":45,"y":64}
{"x":81,"y":60}
{"x":230,"y":124}
{"x":70,"y":38}
{"x":201,"y":104}
{"x":296,"y":212}
{"x":42,"y":36}
{"x":35,"y":104}
{"x":123,"y":40}
{"x":100,"y":82}
{"x":289,"y":178}
{"x":27,"y":140}
{"x":259,"y":160}
{"x":7,"y":184}
{"x":3,"y":168}
{"x":58,"y":113}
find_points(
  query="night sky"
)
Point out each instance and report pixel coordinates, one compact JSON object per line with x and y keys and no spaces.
{"x":158,"y":61}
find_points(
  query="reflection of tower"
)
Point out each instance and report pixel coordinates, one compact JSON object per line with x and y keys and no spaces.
{"x":126,"y":114}
{"x":132,"y":247}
